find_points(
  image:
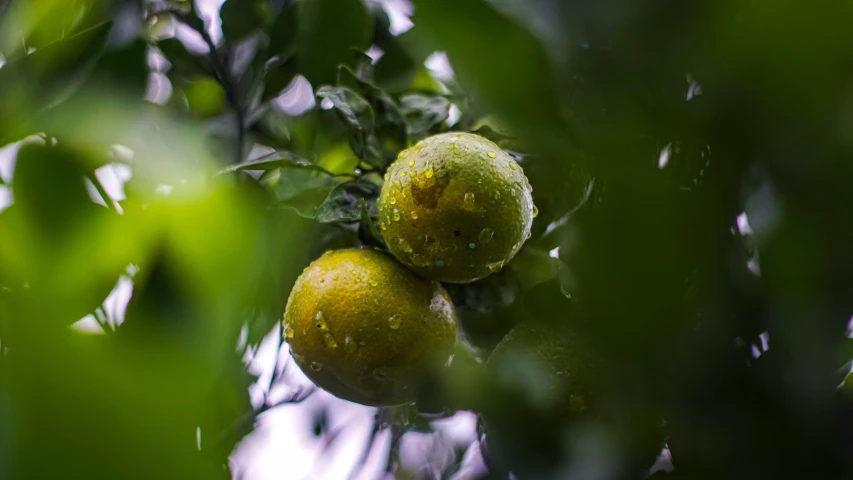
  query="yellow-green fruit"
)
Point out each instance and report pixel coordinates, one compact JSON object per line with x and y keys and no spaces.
{"x":366,"y":329}
{"x":455,"y":207}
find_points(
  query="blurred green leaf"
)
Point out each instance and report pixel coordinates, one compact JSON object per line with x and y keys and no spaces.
{"x":501,"y":61}
{"x":183,"y":62}
{"x":283,"y":31}
{"x":367,"y":231}
{"x":45,"y":77}
{"x":328,"y":30}
{"x":241,"y":18}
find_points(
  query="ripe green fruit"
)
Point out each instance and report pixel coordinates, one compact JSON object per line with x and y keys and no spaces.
{"x":455,"y":208}
{"x":366,"y":329}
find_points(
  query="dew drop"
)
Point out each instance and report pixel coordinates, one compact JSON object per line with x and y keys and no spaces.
{"x":404,"y":154}
{"x":414,"y":215}
{"x":439,"y":263}
{"x":383,"y":227}
{"x":468,"y":201}
{"x":512,"y":192}
{"x":288,"y":332}
{"x":402,"y":174}
{"x":394,"y":322}
{"x":316,"y":366}
{"x":411,"y":164}
{"x":374,"y":283}
{"x":398,"y":184}
{"x":299,"y":358}
{"x":396,"y":215}
{"x":404,"y":245}
{"x":329,"y":340}
{"x":392,"y":201}
{"x":357,"y":280}
{"x":472,"y":245}
{"x":352,"y":272}
{"x":486,"y":235}
{"x":495,"y":266}
{"x":497,"y":195}
{"x":429,"y":173}
{"x":535,"y":211}
{"x":387,"y":176}
{"x":349,"y":344}
{"x":492,"y":155}
{"x":514,"y":247}
{"x":320,"y":321}
{"x":511,"y":166}
{"x":335,"y":277}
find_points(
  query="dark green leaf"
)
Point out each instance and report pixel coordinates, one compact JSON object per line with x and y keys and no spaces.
{"x":367,"y":231}
{"x":423,"y":112}
{"x":282,"y":33}
{"x":241,"y":18}
{"x":45,"y":77}
{"x":356,"y":114}
{"x":280,"y":159}
{"x":124,"y":69}
{"x":497,"y":58}
{"x":328,"y":30}
{"x":183,"y":62}
{"x":344,"y":202}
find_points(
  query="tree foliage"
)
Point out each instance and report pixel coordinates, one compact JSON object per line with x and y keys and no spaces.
{"x":691,"y":165}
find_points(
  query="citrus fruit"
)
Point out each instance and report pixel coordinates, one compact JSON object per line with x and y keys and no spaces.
{"x":455,"y":207}
{"x":366,"y":329}
{"x":561,"y":388}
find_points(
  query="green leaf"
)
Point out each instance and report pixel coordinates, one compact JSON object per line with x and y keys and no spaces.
{"x":356,"y":114}
{"x":183,"y":62}
{"x":344,"y":202}
{"x":240,"y":18}
{"x":367,"y":231}
{"x":45,"y":77}
{"x":282,"y":32}
{"x":328,"y":30}
{"x":423,"y":112}
{"x":280,"y":159}
{"x":497,"y":58}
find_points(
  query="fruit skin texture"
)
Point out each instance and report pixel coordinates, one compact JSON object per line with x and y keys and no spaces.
{"x":366,"y":329}
{"x":455,"y":207}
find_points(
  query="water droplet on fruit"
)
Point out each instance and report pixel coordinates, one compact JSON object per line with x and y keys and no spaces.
{"x":288,"y":332}
{"x":404,"y":154}
{"x":512,"y":192}
{"x":396,"y":215}
{"x":535,"y":211}
{"x":394,"y":322}
{"x":316,"y":366}
{"x":414,"y":215}
{"x":439,"y":263}
{"x":404,"y":245}
{"x":299,"y":358}
{"x":492,"y":155}
{"x":468,"y":201}
{"x":411,"y":164}
{"x":374,"y":283}
{"x":352,"y":272}
{"x":511,"y":166}
{"x":486,"y":235}
{"x":349,"y":344}
{"x":495,"y":266}
{"x":329,"y":340}
{"x":398,"y":184}
{"x":384,"y":227}
{"x":497,"y":195}
{"x":472,"y":245}
{"x":335,"y":277}
{"x":429,"y":173}
{"x":387,"y":176}
{"x":392,"y":201}
{"x":320,"y":321}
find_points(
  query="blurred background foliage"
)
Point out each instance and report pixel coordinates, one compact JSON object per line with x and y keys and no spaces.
{"x":692,"y":164}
